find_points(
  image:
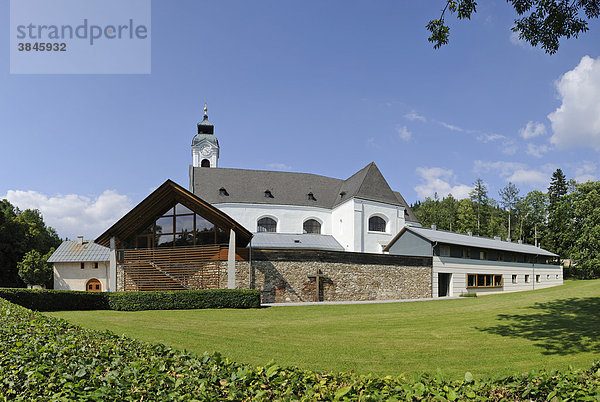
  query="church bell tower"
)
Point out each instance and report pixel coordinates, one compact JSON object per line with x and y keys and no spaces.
{"x":205,"y":146}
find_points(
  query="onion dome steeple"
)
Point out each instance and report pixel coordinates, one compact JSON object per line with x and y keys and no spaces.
{"x":205,"y":146}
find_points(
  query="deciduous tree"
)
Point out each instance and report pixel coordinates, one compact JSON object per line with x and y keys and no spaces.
{"x":540,"y":22}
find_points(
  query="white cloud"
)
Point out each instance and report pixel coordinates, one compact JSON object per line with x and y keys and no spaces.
{"x":577,"y":121}
{"x":451,"y":127}
{"x":516,"y":172}
{"x":514,"y":39}
{"x":73,"y":215}
{"x":412,"y":116}
{"x":279,"y":166}
{"x":485,"y":138}
{"x":585,"y":172}
{"x":438,"y":180}
{"x":532,"y":129}
{"x":403,"y":133}
{"x":509,"y":148}
{"x":529,"y":176}
{"x":504,"y":169}
{"x":537,"y":150}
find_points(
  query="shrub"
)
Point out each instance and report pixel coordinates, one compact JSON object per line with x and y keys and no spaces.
{"x":56,"y":300}
{"x":184,"y":299}
{"x":45,"y":358}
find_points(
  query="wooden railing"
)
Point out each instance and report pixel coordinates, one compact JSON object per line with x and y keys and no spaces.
{"x":171,"y":269}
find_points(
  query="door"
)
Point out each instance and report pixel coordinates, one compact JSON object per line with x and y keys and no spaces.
{"x":444,"y":284}
{"x":93,"y":285}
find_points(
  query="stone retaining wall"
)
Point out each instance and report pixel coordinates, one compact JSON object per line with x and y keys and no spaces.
{"x":289,"y":276}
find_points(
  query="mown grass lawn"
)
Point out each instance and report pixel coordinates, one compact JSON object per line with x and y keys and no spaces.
{"x":489,"y":336}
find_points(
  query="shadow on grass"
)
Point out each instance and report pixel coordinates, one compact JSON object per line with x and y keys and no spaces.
{"x":561,"y":327}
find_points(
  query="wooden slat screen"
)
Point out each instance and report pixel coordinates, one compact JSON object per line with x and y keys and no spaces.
{"x":171,"y":269}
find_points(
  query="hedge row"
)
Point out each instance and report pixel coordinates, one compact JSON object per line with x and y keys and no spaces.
{"x":60,"y":300}
{"x":45,"y":358}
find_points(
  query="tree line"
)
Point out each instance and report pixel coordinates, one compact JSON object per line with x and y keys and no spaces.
{"x":564,"y":220}
{"x":25,"y":245}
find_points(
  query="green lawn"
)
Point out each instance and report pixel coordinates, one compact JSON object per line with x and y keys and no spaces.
{"x":488,"y":336}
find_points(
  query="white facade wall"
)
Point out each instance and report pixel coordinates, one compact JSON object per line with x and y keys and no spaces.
{"x":374,"y":242}
{"x":348,"y":223}
{"x":549,"y":275}
{"x":70,"y":276}
{"x":343,"y":226}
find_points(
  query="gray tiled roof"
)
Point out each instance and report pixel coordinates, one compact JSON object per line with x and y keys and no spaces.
{"x":299,"y":241}
{"x":71,"y":251}
{"x":460,"y":239}
{"x":290,"y":188}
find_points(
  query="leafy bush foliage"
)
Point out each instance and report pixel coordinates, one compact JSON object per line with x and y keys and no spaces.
{"x":184,"y":299}
{"x":57,"y":300}
{"x":49,"y":359}
{"x":34,"y":268}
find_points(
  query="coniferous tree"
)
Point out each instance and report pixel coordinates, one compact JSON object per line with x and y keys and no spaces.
{"x":509,"y":196}
{"x":557,"y":213}
{"x":479,"y":196}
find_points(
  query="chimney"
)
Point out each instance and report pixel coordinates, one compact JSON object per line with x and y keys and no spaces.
{"x":80,"y":240}
{"x":433,"y":227}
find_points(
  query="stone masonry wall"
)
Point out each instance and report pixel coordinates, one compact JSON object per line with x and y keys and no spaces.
{"x":281,"y":279}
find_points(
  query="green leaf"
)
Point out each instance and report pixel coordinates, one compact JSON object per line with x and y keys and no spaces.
{"x":341,"y":392}
{"x":468,"y":377}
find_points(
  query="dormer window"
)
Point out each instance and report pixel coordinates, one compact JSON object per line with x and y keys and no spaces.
{"x":311,"y":197}
{"x":268,"y":194}
{"x":223,"y":192}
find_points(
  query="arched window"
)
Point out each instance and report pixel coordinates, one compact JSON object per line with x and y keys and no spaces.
{"x":205,"y":163}
{"x":267,"y":225}
{"x":93,"y":285}
{"x":311,"y":226}
{"x":376,"y":224}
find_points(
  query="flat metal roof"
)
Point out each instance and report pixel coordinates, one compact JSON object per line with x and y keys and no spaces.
{"x":269,"y":241}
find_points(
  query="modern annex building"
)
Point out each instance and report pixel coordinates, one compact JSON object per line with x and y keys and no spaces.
{"x":462,"y":263}
{"x":294,"y":236}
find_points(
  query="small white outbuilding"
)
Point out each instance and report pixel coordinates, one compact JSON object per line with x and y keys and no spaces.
{"x":81,"y":265}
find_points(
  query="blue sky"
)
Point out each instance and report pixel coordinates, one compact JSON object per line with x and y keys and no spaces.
{"x":312,"y":86}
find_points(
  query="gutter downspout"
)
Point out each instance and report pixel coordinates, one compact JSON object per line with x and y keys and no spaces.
{"x":250,"y":279}
{"x":432,"y":276}
{"x":534,"y":278}
{"x":362,"y":228}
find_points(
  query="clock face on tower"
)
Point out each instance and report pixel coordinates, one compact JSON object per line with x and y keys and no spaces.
{"x":205,"y":150}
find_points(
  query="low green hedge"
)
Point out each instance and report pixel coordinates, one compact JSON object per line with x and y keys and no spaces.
{"x":184,"y":299}
{"x":55,"y":300}
{"x":61,"y":300}
{"x":45,"y":358}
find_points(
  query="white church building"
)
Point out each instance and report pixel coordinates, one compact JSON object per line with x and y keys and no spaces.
{"x":295,"y":237}
{"x":361,"y":213}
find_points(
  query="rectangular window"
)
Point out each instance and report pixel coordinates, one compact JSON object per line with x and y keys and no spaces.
{"x":514,"y":279}
{"x":500,"y":256}
{"x":466,"y":252}
{"x":526,"y":278}
{"x":483,"y":255}
{"x":82,"y":265}
{"x":96,"y":265}
{"x":444,"y":251}
{"x":484,"y":281}
{"x":537,"y":278}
